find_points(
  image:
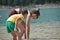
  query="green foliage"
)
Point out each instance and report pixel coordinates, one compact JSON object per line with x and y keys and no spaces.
{"x":26,"y":2}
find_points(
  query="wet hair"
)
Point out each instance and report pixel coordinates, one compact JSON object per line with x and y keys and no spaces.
{"x":24,"y":12}
{"x":36,"y":12}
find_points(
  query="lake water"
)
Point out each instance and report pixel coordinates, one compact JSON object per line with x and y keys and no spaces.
{"x":47,"y":15}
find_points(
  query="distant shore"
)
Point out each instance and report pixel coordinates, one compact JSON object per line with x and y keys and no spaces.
{"x":32,"y":6}
{"x":48,"y":6}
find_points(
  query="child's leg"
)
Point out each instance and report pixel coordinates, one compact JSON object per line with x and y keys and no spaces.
{"x":22,"y":30}
{"x":24,"y":24}
{"x":19,"y":37}
{"x":25,"y":29}
{"x":14,"y":36}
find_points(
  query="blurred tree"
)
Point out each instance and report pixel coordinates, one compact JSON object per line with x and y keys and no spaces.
{"x":46,"y":1}
{"x":18,"y":2}
{"x":31,"y":1}
{"x":21,"y":1}
{"x":0,"y":2}
{"x":38,"y":1}
{"x":53,"y":1}
{"x":15,"y":2}
{"x":26,"y":2}
{"x":10,"y":2}
{"x":4,"y":2}
{"x":41,"y":1}
{"x":49,"y":1}
{"x":57,"y":1}
{"x":34,"y":1}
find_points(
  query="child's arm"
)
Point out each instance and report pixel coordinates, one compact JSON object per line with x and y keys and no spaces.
{"x":16,"y":23}
{"x":27,"y":26}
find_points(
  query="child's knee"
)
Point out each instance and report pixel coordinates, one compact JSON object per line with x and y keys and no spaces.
{"x":19,"y":35}
{"x":14,"y":36}
{"x":23,"y":30}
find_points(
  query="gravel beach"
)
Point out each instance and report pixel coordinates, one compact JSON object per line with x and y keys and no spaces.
{"x":43,"y":31}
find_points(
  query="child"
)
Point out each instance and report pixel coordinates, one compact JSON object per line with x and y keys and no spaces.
{"x":17,"y":27}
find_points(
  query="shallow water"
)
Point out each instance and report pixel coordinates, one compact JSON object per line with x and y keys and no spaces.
{"x":46,"y":15}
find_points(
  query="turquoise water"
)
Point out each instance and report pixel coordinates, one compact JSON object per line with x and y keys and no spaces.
{"x":47,"y":15}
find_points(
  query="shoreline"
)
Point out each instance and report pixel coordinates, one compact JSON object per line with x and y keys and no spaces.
{"x":32,"y":6}
{"x":48,"y":6}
